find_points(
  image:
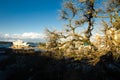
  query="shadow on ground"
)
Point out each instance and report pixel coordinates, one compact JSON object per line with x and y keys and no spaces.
{"x":38,"y":67}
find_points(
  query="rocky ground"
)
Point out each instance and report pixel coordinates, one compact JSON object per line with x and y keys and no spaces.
{"x":39,"y":67}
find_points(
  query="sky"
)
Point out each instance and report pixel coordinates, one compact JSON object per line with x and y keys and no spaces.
{"x":22,"y":19}
{"x":28,"y":19}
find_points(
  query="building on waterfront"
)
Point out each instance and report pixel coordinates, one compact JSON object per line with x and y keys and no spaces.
{"x":19,"y":44}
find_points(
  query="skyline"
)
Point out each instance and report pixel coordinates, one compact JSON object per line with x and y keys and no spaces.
{"x":28,"y":18}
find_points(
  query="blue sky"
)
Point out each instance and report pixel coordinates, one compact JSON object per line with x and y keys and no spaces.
{"x":19,"y":16}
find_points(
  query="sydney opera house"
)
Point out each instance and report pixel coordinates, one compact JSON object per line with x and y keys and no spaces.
{"x":17,"y":46}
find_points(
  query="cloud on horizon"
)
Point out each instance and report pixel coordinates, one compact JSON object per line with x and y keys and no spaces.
{"x":27,"y":36}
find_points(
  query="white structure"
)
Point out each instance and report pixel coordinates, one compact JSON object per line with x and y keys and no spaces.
{"x":20,"y":44}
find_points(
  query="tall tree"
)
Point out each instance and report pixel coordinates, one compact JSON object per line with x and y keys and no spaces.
{"x":78,"y":13}
{"x":69,"y":13}
{"x":89,"y":14}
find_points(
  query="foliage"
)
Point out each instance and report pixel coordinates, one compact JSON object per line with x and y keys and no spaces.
{"x":82,"y":13}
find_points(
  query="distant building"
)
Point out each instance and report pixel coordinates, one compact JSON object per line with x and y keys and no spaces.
{"x":19,"y":44}
{"x":31,"y":44}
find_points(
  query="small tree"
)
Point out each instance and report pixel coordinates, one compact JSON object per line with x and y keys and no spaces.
{"x":52,"y":39}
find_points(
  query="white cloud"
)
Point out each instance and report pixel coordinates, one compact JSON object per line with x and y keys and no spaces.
{"x":6,"y":35}
{"x":27,"y":36}
{"x":32,"y":35}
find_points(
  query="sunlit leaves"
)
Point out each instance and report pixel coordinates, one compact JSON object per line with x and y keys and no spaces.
{"x":86,"y":14}
{"x":80,"y":22}
{"x":70,"y":6}
{"x":63,"y":14}
{"x":82,"y":0}
{"x":105,"y":27}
